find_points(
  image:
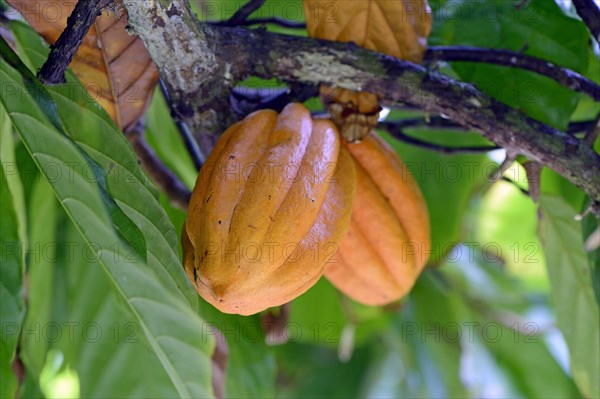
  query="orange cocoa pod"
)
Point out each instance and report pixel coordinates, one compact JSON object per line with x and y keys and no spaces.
{"x":269,"y":207}
{"x":388,"y":240}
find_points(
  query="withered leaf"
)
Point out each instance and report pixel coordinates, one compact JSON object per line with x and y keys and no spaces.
{"x":114,"y":66}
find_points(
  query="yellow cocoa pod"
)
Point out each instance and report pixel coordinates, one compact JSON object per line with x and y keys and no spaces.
{"x":269,"y":208}
{"x":388,"y":240}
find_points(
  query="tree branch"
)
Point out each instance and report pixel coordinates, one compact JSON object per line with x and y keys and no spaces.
{"x":564,"y":76}
{"x":79,"y":22}
{"x":590,"y":14}
{"x":200,"y":61}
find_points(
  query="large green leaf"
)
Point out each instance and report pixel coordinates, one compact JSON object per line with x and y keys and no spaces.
{"x":47,"y":295}
{"x":432,"y":310}
{"x":539,"y":27}
{"x":577,"y":311}
{"x":309,"y":371}
{"x":12,"y":265}
{"x":123,"y":174}
{"x":104,"y":213}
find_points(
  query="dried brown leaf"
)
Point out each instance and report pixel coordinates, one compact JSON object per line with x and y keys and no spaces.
{"x":115,"y":67}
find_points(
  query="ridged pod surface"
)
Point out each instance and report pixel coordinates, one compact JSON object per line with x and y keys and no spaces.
{"x":388,"y":240}
{"x":269,"y":208}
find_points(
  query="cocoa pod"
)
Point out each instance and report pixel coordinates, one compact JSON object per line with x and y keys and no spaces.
{"x":388,"y":240}
{"x":269,"y":207}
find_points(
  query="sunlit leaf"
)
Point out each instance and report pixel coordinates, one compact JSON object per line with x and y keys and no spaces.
{"x":148,"y":291}
{"x":573,"y":296}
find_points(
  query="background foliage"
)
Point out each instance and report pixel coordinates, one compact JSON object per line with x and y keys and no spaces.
{"x":507,"y":307}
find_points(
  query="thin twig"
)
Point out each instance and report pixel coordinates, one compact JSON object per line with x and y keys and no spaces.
{"x":590,"y":14}
{"x":170,"y":184}
{"x":593,"y":132}
{"x":437,"y":121}
{"x":564,"y":76}
{"x":243,"y":13}
{"x":533,"y":170}
{"x":400,"y":135}
{"x":504,"y":166}
{"x":440,"y":122}
{"x":79,"y":22}
{"x":186,"y":135}
{"x":284,"y":23}
{"x":582,"y":126}
{"x":245,"y":100}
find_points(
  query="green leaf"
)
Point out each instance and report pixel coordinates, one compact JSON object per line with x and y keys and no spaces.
{"x":432,"y":310}
{"x":541,"y":28}
{"x":554,"y":184}
{"x":576,"y":308}
{"x":46,"y":294}
{"x":525,"y":358}
{"x":169,"y":326}
{"x":309,"y":371}
{"x":122,"y":176}
{"x":12,"y":265}
{"x":46,"y":107}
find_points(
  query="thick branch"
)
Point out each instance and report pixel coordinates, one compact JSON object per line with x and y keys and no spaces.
{"x":195,"y":59}
{"x":590,"y":14}
{"x":79,"y":22}
{"x":564,"y":76}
